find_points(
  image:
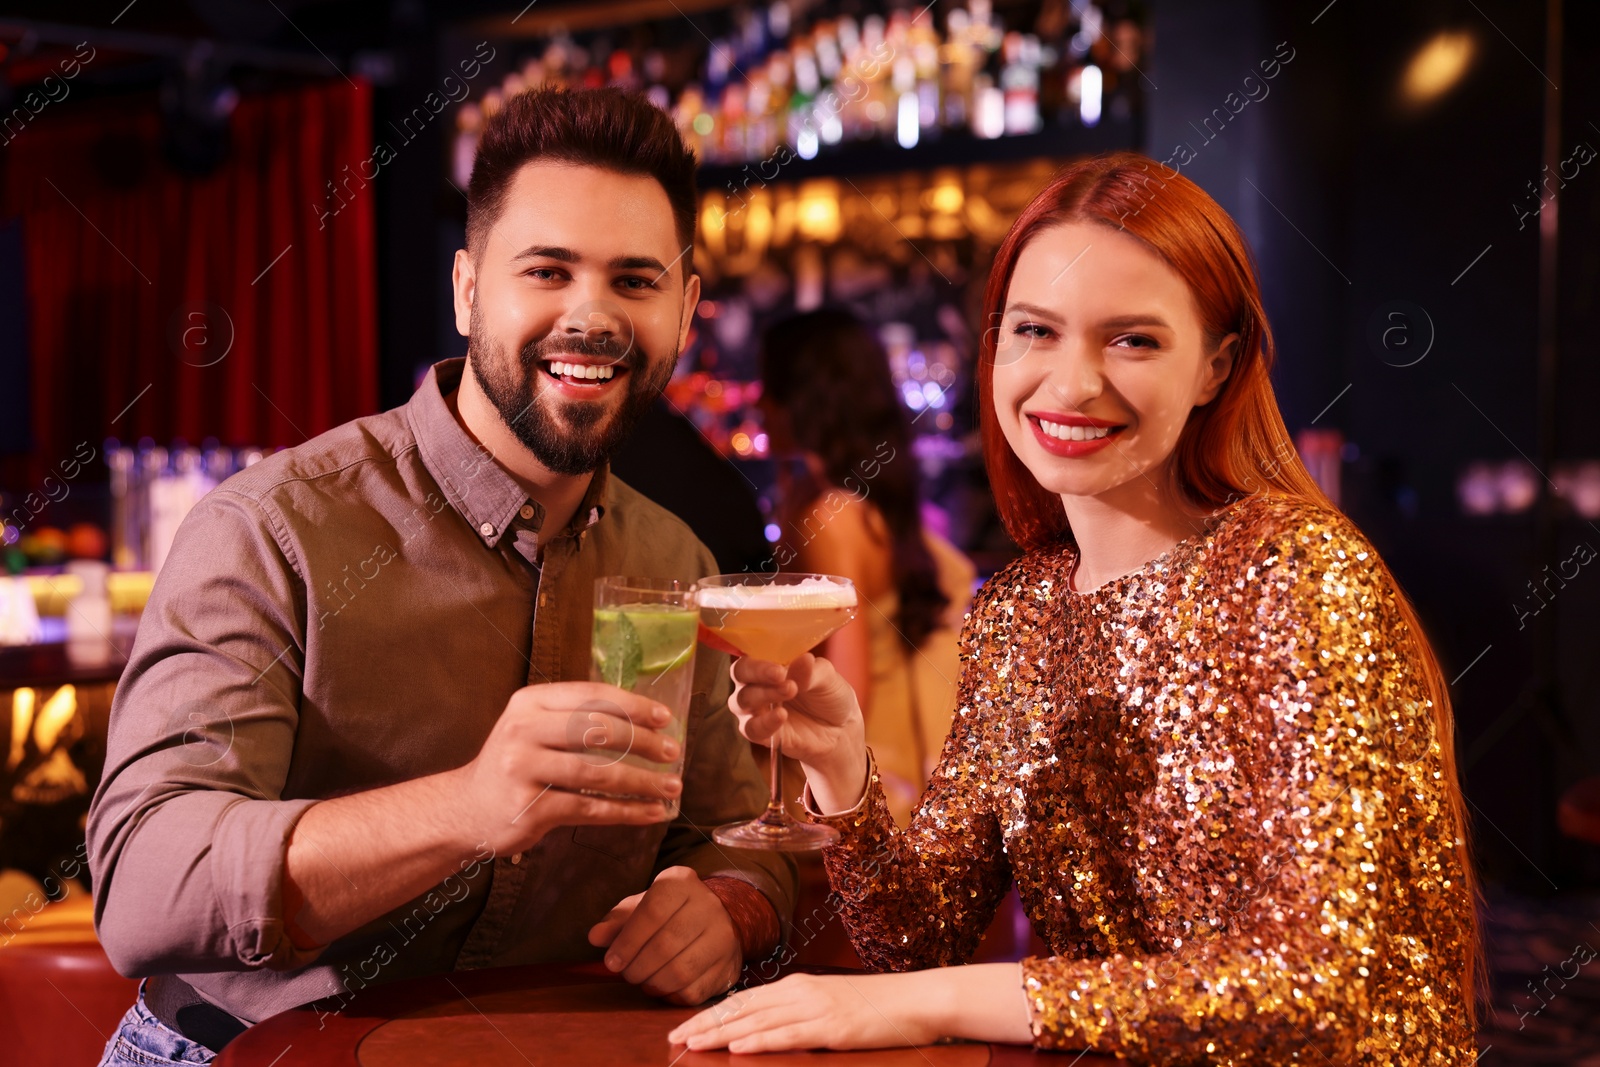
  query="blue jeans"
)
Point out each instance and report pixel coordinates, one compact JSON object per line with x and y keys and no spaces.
{"x":142,"y":1040}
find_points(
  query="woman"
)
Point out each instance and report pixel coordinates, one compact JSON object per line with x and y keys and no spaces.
{"x":853,"y":509}
{"x":1198,"y":723}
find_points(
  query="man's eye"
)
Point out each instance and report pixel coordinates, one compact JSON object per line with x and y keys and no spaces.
{"x":542,"y":273}
{"x":633,"y":281}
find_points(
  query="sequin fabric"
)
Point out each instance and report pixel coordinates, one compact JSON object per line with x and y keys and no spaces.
{"x":1216,"y":786}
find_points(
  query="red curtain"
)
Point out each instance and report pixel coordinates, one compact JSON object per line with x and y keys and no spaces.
{"x":241,"y":305}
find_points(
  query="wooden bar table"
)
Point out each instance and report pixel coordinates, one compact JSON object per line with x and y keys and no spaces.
{"x":552,"y":1015}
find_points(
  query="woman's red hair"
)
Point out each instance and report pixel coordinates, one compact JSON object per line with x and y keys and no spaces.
{"x":1236,"y":444}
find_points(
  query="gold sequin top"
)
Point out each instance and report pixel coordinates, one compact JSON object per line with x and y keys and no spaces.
{"x":1216,"y":786}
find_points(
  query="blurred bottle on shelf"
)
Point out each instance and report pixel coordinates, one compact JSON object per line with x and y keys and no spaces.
{"x":807,"y":76}
{"x":152,"y":490}
{"x":88,"y":616}
{"x":1019,"y":83}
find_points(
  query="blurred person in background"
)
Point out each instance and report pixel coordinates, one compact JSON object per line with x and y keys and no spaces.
{"x":849,"y":505}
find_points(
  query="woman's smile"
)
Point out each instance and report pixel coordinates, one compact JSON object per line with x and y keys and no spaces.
{"x":1072,"y":435}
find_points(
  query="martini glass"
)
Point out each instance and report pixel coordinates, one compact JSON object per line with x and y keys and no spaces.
{"x":775,"y":617}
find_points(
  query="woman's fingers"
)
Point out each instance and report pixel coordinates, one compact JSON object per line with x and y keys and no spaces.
{"x":747,"y":670}
{"x":738,"y":1017}
{"x":806,"y":1034}
{"x":800,"y":670}
{"x":761,"y":726}
{"x":753,"y":697}
{"x":701,"y":1022}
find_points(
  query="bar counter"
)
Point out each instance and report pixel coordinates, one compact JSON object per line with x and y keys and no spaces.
{"x":552,"y":1015}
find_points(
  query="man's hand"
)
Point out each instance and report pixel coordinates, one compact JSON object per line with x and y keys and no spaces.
{"x":675,"y":940}
{"x":553,"y":747}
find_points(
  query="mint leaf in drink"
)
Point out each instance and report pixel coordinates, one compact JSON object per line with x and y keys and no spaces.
{"x":617,"y":650}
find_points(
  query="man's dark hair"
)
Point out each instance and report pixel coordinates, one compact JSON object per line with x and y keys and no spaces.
{"x":609,"y":128}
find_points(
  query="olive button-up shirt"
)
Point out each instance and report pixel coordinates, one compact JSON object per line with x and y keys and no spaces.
{"x":354,"y":612}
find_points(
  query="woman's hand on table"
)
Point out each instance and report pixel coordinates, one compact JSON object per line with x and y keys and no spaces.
{"x":815,"y":1011}
{"x":674,"y":940}
{"x":847,"y":1011}
{"x":814,"y":715}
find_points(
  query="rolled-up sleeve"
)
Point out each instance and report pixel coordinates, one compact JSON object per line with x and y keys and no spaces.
{"x":188,"y":829}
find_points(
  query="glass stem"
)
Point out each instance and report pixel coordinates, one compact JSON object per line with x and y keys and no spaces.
{"x":775,"y":809}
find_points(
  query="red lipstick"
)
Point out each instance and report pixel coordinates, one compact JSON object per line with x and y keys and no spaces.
{"x":1058,"y":446}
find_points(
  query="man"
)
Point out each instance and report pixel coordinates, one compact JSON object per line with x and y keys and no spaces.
{"x":350,"y":745}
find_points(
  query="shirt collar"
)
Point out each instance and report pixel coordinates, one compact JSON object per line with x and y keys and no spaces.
{"x":476,"y":486}
{"x":592,"y":507}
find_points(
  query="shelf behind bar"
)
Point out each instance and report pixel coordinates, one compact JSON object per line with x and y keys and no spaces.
{"x":950,"y":148}
{"x":46,"y":665}
{"x":574,"y":16}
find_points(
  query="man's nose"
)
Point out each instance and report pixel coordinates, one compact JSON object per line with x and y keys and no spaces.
{"x":594,"y":310}
{"x":595,"y":320}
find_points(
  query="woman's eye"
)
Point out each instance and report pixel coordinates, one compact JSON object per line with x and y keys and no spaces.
{"x":1136,"y":340}
{"x":1031,"y":329}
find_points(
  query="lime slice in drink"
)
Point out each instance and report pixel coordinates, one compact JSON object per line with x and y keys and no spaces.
{"x":666,"y":637}
{"x":617,"y":654}
{"x":641,"y":639}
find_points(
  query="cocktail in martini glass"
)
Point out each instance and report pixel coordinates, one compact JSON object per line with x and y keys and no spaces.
{"x":776,"y":617}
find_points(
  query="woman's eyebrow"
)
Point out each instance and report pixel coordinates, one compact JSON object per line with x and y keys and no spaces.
{"x":1123,"y":322}
{"x":1034,"y":310}
{"x":1116,"y":322}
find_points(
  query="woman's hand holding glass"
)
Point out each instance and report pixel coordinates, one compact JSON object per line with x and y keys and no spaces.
{"x":815,"y":717}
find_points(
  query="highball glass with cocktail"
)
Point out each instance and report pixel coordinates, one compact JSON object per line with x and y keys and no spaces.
{"x":644,"y":642}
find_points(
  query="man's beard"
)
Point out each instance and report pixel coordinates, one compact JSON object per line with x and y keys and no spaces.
{"x":566,"y":436}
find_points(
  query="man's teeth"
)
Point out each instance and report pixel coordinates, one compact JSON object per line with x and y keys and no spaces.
{"x":1074,"y":433}
{"x":581,"y":370}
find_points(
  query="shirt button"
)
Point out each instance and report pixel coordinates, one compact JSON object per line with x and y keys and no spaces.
{"x":527,"y":511}
{"x":487,"y":529}
{"x":516,"y":858}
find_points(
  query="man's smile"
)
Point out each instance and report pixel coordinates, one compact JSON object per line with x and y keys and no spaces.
{"x":589,"y":377}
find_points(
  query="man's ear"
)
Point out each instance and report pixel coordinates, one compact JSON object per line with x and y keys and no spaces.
{"x":464,"y":287}
{"x":691,"y":301}
{"x":1217,"y":368}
